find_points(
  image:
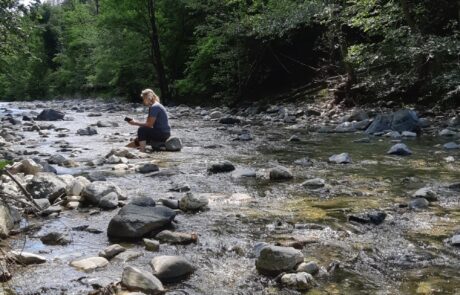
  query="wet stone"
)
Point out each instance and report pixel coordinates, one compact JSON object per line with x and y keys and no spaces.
{"x":27,"y":258}
{"x":55,"y":238}
{"x":147,"y":168}
{"x":171,"y":268}
{"x":447,"y":133}
{"x":90,"y":264}
{"x":173,"y":144}
{"x":151,"y":245}
{"x":455,"y":241}
{"x":427,"y":193}
{"x":372,"y":217}
{"x":225,"y":166}
{"x":280,"y":173}
{"x":274,"y":260}
{"x":138,"y":280}
{"x":314,"y":183}
{"x":399,"y":149}
{"x":343,"y":158}
{"x":419,"y":203}
{"x":128,"y":255}
{"x":170,"y":237}
{"x":173,"y":204}
{"x":298,"y":281}
{"x":309,"y":267}
{"x":192,"y":202}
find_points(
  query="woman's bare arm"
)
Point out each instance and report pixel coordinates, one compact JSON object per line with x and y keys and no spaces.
{"x":148,"y":123}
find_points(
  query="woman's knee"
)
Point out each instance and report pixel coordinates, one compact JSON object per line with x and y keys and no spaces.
{"x":142,"y":132}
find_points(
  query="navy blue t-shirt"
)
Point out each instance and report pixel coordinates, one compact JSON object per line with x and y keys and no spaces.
{"x":158,"y":111}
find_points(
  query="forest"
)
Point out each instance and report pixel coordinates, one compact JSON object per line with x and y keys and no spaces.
{"x":226,"y":51}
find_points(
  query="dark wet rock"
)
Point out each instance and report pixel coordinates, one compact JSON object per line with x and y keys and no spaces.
{"x":170,"y":237}
{"x":135,"y":222}
{"x":55,"y":238}
{"x":46,"y":185}
{"x":455,"y":240}
{"x":225,"y":166}
{"x":101,"y":124}
{"x":143,"y":201}
{"x":427,"y":193}
{"x":274,"y":260}
{"x":280,"y":173}
{"x":419,"y":203}
{"x":88,"y":131}
{"x":135,"y":279}
{"x":314,"y":183}
{"x":109,"y":201}
{"x":308,"y":267}
{"x":229,"y":120}
{"x":298,"y":281}
{"x":380,"y":123}
{"x":216,"y":115}
{"x":45,"y":166}
{"x":343,"y":158}
{"x":151,"y":245}
{"x":147,"y":168}
{"x":57,"y":159}
{"x":451,"y":146}
{"x":90,"y":264}
{"x":454,"y":186}
{"x":95,"y":191}
{"x":405,"y":120}
{"x":313,"y":112}
{"x":294,"y":138}
{"x":400,"y":149}
{"x":173,"y":144}
{"x":171,"y":268}
{"x":447,"y":133}
{"x":454,"y":122}
{"x":258,"y":248}
{"x":393,"y":134}
{"x":51,"y":210}
{"x":345,"y":127}
{"x":50,"y":115}
{"x":27,"y":258}
{"x":191,"y":202}
{"x":112,"y":251}
{"x":173,"y":204}
{"x":368,"y":218}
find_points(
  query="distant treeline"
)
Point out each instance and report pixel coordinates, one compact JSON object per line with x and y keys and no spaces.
{"x":225,"y":50}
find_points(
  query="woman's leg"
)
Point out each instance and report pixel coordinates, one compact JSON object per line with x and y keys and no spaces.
{"x":133,"y":144}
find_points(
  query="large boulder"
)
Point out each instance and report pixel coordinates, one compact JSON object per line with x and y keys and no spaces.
{"x":171,"y":268}
{"x":46,"y":185}
{"x":405,"y":120}
{"x":381,"y":123}
{"x":137,"y":280}
{"x":50,"y":115}
{"x":97,"y":190}
{"x":274,"y":260}
{"x":135,"y":222}
{"x":402,"y":120}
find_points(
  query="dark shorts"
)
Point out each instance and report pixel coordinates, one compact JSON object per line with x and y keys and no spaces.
{"x":151,"y":134}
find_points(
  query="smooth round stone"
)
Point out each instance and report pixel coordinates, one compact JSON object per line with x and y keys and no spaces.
{"x":309,"y":267}
{"x":314,"y":183}
{"x":112,"y":251}
{"x":90,"y":264}
{"x":135,"y":279}
{"x":299,"y":281}
{"x":28,"y":258}
{"x":171,"y":268}
{"x":274,"y":260}
{"x":151,"y":245}
{"x":280,"y":173}
{"x":419,"y":203}
{"x":343,"y":158}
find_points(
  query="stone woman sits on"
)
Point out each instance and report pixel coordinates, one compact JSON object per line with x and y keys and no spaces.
{"x":156,"y":127}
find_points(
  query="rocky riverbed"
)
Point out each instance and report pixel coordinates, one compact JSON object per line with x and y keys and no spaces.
{"x":276,"y":199}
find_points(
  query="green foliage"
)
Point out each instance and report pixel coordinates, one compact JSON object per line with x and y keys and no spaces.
{"x":233,"y":49}
{"x":4,"y":163}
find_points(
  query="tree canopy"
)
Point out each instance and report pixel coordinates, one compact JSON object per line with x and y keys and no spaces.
{"x":212,"y":51}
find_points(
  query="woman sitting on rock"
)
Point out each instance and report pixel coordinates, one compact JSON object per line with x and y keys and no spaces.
{"x":156,"y":127}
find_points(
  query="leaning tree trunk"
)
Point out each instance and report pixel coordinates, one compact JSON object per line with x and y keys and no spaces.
{"x":156,"y":54}
{"x":407,"y":15}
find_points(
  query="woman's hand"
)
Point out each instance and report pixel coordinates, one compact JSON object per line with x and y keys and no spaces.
{"x":132,"y":122}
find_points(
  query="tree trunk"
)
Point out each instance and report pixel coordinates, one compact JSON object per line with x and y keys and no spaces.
{"x":97,"y":7}
{"x":458,"y":8}
{"x":409,"y":19}
{"x":156,"y":54}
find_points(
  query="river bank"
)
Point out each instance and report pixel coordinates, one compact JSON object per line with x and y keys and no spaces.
{"x":323,"y":208}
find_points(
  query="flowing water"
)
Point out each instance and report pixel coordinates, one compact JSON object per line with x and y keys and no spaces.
{"x":407,"y":254}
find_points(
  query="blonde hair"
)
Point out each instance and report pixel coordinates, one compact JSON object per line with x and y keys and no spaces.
{"x":151,"y":96}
